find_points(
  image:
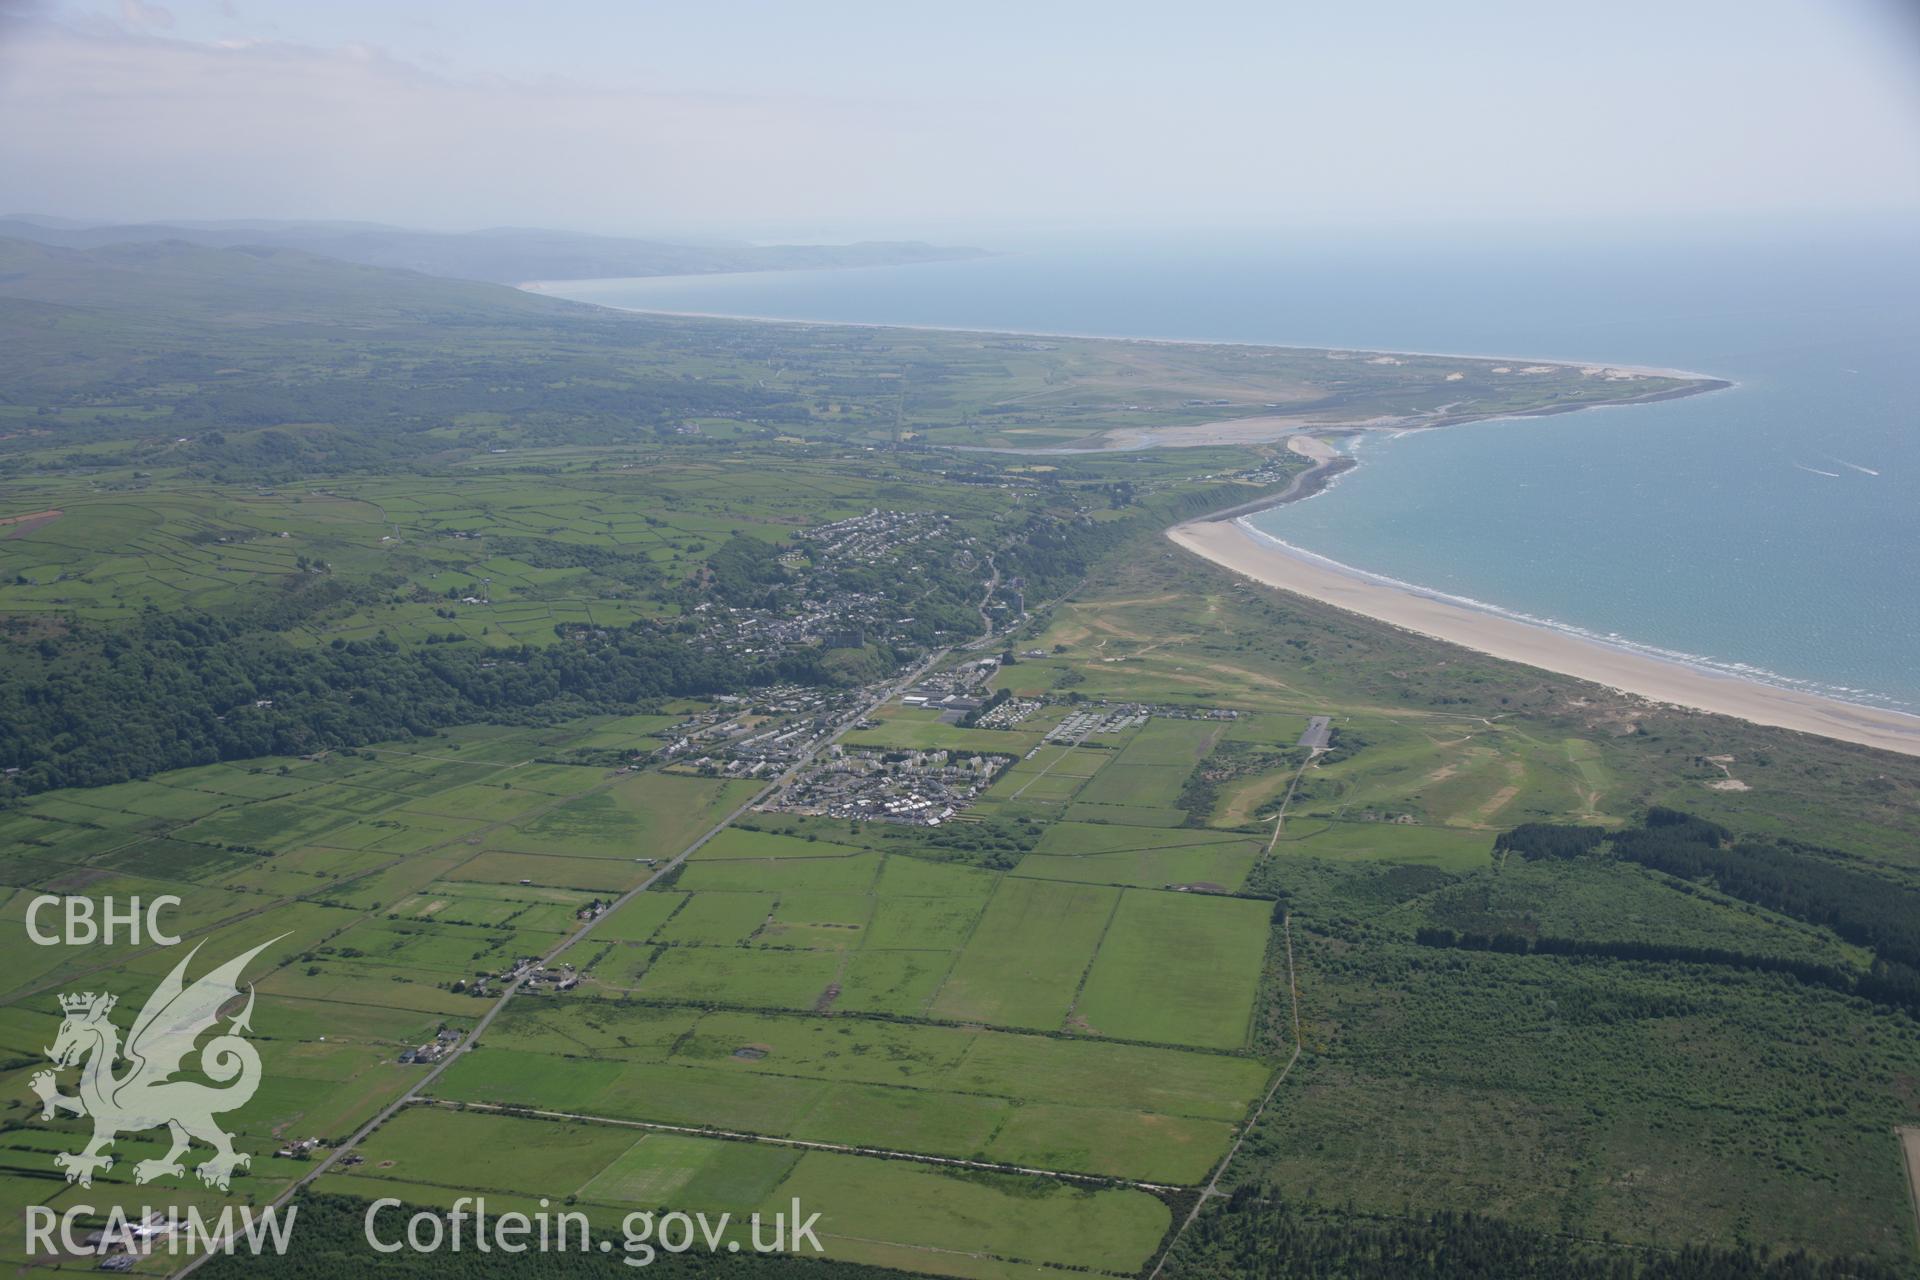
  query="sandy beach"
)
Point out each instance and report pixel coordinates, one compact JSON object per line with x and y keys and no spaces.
{"x":1229,"y":545}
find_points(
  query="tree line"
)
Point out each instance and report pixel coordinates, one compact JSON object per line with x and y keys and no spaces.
{"x":108,"y":703}
{"x":1550,"y":840}
{"x":1804,"y":881}
{"x":1516,"y":944}
{"x":1816,"y":885}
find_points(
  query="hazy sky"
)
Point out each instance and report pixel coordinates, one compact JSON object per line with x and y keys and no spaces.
{"x":909,"y":118}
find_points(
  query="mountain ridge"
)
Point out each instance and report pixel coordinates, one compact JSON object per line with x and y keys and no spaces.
{"x":497,"y":255}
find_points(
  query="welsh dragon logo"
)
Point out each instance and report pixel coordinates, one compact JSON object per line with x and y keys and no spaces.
{"x":145,"y":1095}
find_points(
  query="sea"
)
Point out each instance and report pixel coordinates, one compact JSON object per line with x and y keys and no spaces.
{"x":1771,"y":530}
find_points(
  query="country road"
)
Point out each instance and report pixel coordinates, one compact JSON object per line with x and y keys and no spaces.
{"x":1280,"y":818}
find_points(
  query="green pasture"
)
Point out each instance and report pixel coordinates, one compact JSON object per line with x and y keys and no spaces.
{"x":1176,"y":968}
{"x":1221,"y":864}
{"x":717,"y":919}
{"x":1311,"y":837}
{"x":1026,"y":955}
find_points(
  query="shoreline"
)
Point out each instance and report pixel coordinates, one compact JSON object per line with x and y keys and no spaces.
{"x":1221,"y":539}
{"x":1328,"y":464}
{"x":539,"y":288}
{"x":1248,"y":430}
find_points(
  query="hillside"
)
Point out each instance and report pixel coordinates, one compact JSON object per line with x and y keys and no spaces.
{"x":243,"y":286}
{"x":503,"y":255}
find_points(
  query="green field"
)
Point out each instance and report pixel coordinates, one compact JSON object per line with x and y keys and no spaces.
{"x":719,"y":919}
{"x":1026,"y":955}
{"x":1385,"y":841}
{"x":652,"y":815}
{"x":1178,"y":969}
{"x":1085,"y":1107}
{"x":850,"y":871}
{"x":753,"y":979}
{"x":1221,"y":864}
